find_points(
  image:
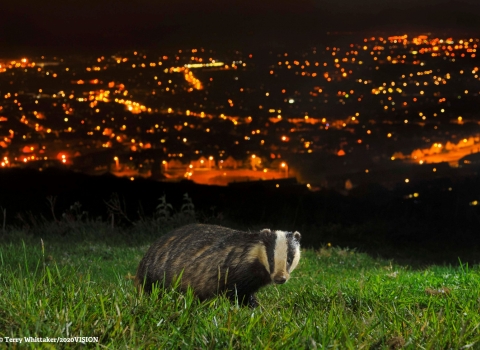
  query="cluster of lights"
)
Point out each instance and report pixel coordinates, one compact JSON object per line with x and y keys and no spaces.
{"x":387,"y":88}
{"x":5,"y":162}
{"x":204,"y":65}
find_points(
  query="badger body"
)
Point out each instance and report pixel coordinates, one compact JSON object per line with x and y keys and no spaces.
{"x":214,"y":260}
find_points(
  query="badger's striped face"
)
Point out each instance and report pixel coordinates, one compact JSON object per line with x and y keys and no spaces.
{"x":283,"y":255}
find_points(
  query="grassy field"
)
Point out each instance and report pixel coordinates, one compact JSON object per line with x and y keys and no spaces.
{"x":75,"y":281}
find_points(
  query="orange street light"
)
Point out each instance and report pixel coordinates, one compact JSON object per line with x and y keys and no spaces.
{"x":285,"y":166}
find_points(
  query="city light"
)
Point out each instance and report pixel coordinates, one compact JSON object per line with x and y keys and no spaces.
{"x":178,"y":105}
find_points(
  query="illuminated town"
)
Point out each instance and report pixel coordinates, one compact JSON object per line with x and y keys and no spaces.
{"x":331,"y":116}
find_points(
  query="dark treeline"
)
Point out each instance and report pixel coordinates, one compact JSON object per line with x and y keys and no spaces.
{"x":441,"y":215}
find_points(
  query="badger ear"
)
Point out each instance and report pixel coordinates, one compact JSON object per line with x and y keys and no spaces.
{"x":265,"y":230}
{"x":297,"y":236}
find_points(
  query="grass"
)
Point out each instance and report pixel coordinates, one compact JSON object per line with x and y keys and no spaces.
{"x":78,"y":284}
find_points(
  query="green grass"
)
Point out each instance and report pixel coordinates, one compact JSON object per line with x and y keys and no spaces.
{"x":337,"y":298}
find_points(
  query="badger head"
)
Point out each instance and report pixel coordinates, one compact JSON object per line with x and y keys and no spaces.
{"x":282,"y":254}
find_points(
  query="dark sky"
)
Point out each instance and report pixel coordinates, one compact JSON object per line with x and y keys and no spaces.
{"x":100,"y":23}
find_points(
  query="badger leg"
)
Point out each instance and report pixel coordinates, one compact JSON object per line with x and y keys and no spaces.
{"x":252,"y":300}
{"x":244,"y":299}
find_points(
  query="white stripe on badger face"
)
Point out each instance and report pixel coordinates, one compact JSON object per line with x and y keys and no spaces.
{"x":280,"y":254}
{"x":296,"y":258}
{"x":259,"y":252}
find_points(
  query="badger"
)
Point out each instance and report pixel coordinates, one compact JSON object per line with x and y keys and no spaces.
{"x":216,"y":260}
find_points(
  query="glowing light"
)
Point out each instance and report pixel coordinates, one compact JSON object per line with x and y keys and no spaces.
{"x":203,"y":65}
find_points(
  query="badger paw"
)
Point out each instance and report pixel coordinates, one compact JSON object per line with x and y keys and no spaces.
{"x":252,"y":301}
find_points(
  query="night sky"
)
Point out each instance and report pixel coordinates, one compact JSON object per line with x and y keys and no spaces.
{"x":28,"y":24}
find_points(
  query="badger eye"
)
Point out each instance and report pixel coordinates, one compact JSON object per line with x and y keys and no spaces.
{"x":289,"y":261}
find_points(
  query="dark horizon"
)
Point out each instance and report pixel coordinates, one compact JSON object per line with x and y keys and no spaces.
{"x":29,"y":27}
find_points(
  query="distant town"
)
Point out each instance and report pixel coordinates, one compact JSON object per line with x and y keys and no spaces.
{"x":382,"y":109}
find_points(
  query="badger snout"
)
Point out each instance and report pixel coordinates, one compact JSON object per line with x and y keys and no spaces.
{"x":280,"y":279}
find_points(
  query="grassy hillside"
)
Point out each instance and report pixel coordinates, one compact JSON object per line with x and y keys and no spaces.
{"x":66,"y":281}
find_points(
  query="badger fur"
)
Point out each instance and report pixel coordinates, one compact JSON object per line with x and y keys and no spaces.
{"x":214,"y":260}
